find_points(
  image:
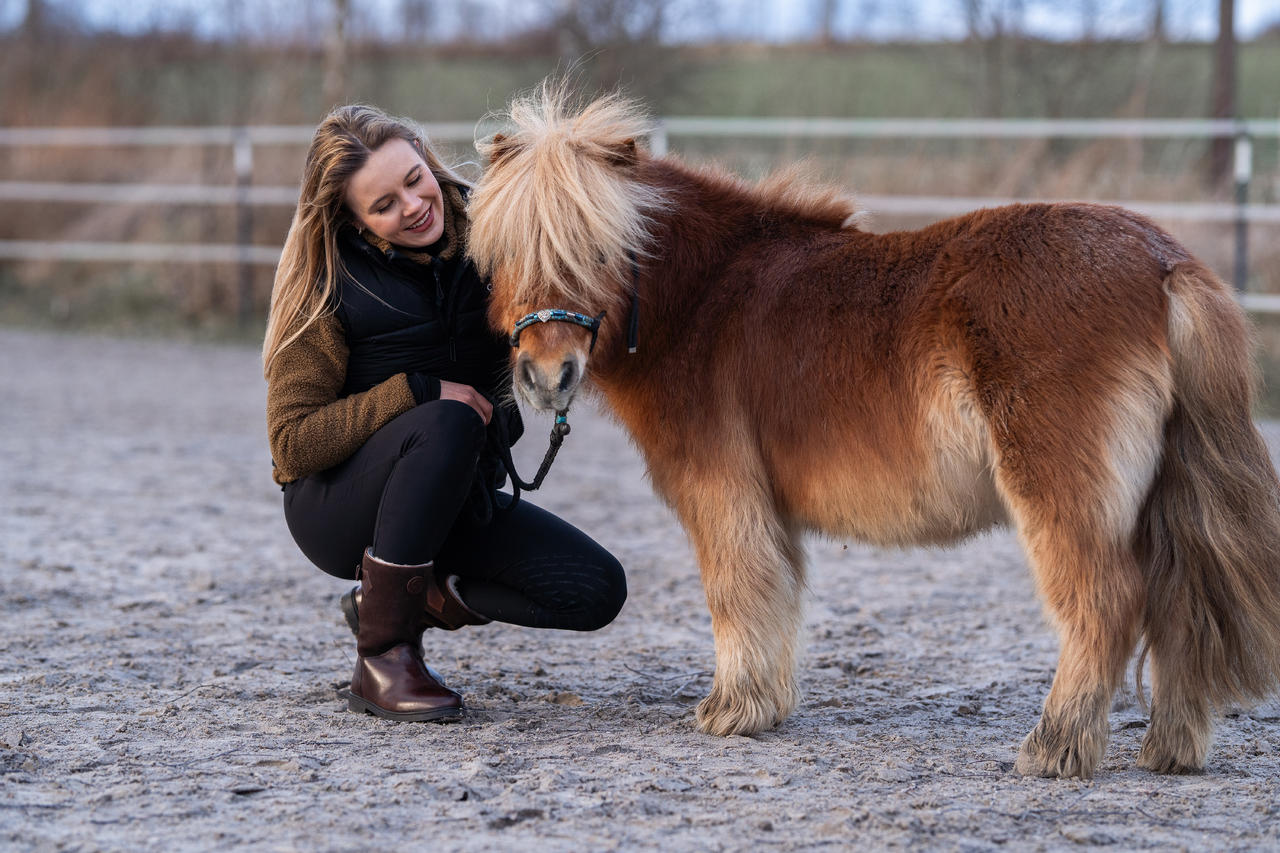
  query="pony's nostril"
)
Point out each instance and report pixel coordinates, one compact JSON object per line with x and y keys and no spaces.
{"x":526,"y":374}
{"x":568,"y":373}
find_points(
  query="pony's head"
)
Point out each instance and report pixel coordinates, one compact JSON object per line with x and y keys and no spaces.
{"x":558,"y":222}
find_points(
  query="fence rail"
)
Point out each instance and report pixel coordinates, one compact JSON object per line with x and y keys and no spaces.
{"x":105,"y":137}
{"x":173,"y":253}
{"x":853,"y":128}
{"x":244,"y":196}
{"x":175,"y":194}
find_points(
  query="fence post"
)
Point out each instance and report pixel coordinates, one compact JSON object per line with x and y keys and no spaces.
{"x":243,"y":159}
{"x":1243,"y":174}
{"x":658,"y":139}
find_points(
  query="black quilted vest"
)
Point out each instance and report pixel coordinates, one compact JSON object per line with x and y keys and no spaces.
{"x":401,"y":316}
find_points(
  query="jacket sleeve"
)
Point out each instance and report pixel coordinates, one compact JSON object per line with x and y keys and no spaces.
{"x":311,"y":428}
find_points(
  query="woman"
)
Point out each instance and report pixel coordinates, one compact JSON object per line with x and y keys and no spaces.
{"x":382,"y":377}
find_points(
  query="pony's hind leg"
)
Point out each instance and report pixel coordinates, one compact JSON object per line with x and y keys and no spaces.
{"x":1076,"y":500}
{"x":753,"y":576}
{"x":1094,"y":592}
{"x":1181,"y":715}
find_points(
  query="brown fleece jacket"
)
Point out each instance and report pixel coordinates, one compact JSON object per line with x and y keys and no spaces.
{"x":309,"y":426}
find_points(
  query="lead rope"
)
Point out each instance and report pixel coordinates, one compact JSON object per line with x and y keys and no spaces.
{"x":561,"y":427}
{"x":558,"y":431}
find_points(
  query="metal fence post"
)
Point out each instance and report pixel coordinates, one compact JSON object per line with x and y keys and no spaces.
{"x":243,"y":160}
{"x":658,"y":139}
{"x":1243,"y":174}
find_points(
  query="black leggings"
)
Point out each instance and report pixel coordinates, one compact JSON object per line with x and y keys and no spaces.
{"x":403,"y":493}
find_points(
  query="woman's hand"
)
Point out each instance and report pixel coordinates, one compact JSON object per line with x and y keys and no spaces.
{"x":470,"y":396}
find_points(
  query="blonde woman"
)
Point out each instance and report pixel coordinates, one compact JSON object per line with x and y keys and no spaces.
{"x":382,"y":387}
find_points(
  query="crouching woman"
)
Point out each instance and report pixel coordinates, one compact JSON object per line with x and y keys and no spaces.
{"x":385,"y":426}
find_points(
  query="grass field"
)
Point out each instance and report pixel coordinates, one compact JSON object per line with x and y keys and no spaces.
{"x":157,"y":81}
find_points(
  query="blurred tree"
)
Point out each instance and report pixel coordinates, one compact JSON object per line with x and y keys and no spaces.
{"x":1159,"y":31}
{"x":1223,"y":100}
{"x":1146,"y":67}
{"x":826,"y":12}
{"x":475,"y":20}
{"x":417,"y":18}
{"x":588,"y":24}
{"x":239,"y":18}
{"x":611,"y":43}
{"x":990,"y":25}
{"x":334,"y":89}
{"x":44,"y":20}
{"x":34,"y":22}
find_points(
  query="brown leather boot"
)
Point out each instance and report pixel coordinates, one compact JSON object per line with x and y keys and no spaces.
{"x":390,"y":679}
{"x":444,"y":608}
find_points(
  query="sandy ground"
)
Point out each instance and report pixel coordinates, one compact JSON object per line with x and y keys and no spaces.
{"x":170,"y":662}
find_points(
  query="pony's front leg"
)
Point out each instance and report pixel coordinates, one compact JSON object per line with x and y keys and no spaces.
{"x":753,"y":576}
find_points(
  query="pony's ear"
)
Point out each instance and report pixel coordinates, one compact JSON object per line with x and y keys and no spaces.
{"x":623,"y":154}
{"x":499,"y":147}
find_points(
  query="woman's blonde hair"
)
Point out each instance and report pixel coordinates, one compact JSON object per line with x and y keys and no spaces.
{"x":307,"y":278}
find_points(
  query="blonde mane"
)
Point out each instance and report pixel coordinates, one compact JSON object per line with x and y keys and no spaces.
{"x":560,"y":210}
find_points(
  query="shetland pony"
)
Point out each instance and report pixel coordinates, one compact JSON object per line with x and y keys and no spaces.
{"x":1069,"y":369}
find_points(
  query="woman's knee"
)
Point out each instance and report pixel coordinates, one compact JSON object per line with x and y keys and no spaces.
{"x":617,"y":580}
{"x":607,"y":593}
{"x":442,"y":424}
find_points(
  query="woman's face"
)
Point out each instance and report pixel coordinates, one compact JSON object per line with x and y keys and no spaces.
{"x":395,"y":196}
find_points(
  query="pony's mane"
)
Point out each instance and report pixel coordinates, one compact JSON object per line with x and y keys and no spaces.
{"x":795,"y":192}
{"x":561,"y":209}
{"x":558,"y":209}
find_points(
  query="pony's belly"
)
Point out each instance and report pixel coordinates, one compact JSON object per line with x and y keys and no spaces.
{"x":918,"y":511}
{"x":933,"y":491}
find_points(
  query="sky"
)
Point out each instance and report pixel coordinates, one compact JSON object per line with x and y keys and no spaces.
{"x":943,"y":18}
{"x":763,"y":20}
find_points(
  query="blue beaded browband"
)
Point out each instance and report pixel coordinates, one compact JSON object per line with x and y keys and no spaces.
{"x":548,"y":315}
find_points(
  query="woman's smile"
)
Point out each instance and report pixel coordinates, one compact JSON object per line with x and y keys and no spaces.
{"x":422,"y":223}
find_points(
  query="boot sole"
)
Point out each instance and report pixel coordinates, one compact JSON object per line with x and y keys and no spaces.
{"x":359,"y":705}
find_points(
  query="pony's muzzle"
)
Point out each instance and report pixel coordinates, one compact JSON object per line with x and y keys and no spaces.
{"x":547,"y":389}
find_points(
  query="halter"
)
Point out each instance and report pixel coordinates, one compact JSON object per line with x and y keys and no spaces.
{"x":561,"y":427}
{"x":550,"y":315}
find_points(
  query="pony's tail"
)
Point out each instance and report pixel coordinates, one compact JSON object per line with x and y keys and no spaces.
{"x":1209,"y":535}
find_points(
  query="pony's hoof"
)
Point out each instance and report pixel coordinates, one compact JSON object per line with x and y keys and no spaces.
{"x":724,"y":721}
{"x":1160,"y":755}
{"x":722,"y":714}
{"x":1037,"y":757}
